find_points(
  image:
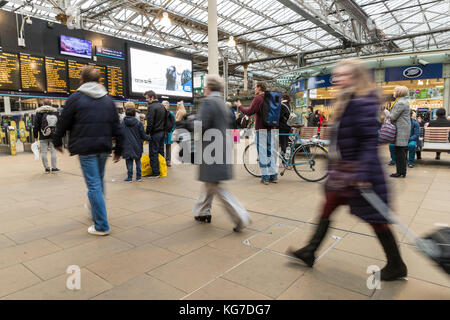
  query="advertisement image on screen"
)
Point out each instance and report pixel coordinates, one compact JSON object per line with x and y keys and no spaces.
{"x":75,"y":47}
{"x":166,"y":75}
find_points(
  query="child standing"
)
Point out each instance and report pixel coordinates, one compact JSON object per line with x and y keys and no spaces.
{"x":134,"y":136}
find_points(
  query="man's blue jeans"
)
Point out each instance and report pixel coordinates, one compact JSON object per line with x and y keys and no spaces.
{"x":93,"y":167}
{"x":265,"y":143}
{"x":129,"y":163}
{"x":412,"y":146}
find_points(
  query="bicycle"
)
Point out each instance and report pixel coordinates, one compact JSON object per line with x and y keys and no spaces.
{"x":308,"y":160}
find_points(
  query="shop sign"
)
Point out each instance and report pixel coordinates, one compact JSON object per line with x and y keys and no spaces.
{"x":412,"y":72}
{"x":110,"y":53}
{"x":298,"y":86}
{"x":430,"y":71}
{"x":320,"y":82}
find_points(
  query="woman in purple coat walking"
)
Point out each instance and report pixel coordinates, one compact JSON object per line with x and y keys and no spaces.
{"x":354,"y":163}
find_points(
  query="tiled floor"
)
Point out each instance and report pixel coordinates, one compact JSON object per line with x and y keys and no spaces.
{"x":157,"y":251}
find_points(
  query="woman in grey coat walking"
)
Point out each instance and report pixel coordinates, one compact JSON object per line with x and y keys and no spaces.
{"x":216,"y":164}
{"x":400,"y":117}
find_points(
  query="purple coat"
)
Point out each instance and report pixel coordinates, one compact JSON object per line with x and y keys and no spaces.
{"x":357,"y":140}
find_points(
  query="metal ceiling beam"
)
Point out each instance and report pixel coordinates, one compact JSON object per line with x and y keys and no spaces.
{"x":355,"y":46}
{"x":316,"y":17}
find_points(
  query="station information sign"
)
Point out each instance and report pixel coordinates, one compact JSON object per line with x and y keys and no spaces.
{"x":56,"y":71}
{"x":32,"y":72}
{"x":9,"y":71}
{"x":115,"y":81}
{"x":74,"y":68}
{"x":102,"y":70}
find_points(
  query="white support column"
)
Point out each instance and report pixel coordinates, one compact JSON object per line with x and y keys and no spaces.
{"x":245,"y":78}
{"x":225,"y":78}
{"x":7,"y":101}
{"x":213,"y":46}
{"x":446,"y":76}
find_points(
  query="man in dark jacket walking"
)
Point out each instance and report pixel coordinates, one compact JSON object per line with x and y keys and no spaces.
{"x":156,"y":128}
{"x":91,"y":117}
{"x":133,"y":138}
{"x":217,"y":167}
{"x":44,"y":128}
{"x":441,"y":121}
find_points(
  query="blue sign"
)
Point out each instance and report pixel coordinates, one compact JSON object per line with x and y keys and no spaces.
{"x":430,"y":71}
{"x":298,"y":86}
{"x":320,"y":82}
{"x":110,"y":53}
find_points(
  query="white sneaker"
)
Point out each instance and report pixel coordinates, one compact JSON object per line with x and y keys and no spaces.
{"x":92,"y":230}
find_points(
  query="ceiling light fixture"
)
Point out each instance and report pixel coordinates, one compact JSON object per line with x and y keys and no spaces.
{"x":165,"y":21}
{"x":231,"y":42}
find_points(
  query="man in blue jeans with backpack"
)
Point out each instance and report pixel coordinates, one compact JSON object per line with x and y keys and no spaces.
{"x":92,"y":119}
{"x":265,"y":139}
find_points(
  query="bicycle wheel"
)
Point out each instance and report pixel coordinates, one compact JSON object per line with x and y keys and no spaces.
{"x":251,"y":160}
{"x":310,"y":162}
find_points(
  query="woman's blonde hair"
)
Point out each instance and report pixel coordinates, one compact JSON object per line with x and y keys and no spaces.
{"x":165,"y":102}
{"x":401,"y":91}
{"x":180,"y":105}
{"x":129,"y":105}
{"x":180,"y":112}
{"x":362,"y":86}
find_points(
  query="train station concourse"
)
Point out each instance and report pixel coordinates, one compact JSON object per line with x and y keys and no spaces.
{"x":208,"y":152}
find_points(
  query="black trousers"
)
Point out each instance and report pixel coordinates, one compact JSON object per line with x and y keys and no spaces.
{"x":168,"y":152}
{"x":283,"y":143}
{"x":400,"y":159}
{"x":284,"y":140}
{"x":156,"y":146}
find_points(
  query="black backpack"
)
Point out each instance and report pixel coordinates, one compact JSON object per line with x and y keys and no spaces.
{"x":48,"y":124}
{"x":170,"y":122}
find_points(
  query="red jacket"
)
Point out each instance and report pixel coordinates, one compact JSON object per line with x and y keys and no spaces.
{"x":255,"y":109}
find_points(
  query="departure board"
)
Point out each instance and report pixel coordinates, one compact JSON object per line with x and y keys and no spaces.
{"x":56,"y":71}
{"x":32,"y":73}
{"x":115,"y":81}
{"x":102,"y":70}
{"x":9,"y":71}
{"x":74,"y":74}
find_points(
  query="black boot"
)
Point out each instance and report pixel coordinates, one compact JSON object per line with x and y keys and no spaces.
{"x":306,"y":254}
{"x":395,"y":268}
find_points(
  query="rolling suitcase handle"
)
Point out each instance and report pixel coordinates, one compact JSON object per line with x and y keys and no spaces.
{"x":428,"y":246}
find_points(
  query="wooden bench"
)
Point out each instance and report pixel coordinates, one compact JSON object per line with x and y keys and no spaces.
{"x":436,"y":139}
{"x":307,"y":134}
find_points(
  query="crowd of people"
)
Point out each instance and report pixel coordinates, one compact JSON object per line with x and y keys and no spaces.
{"x":354,"y":162}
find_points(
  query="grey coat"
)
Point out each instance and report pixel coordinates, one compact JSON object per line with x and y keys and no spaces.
{"x":214,"y":114}
{"x":400,"y":117}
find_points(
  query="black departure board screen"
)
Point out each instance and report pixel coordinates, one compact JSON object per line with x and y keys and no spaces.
{"x":9,"y":71}
{"x":56,"y":71}
{"x":115,"y":81}
{"x":102,"y":70}
{"x":74,"y":74}
{"x":32,"y":73}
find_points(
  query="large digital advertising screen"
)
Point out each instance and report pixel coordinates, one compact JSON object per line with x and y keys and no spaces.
{"x":165,"y":75}
{"x":75,"y":47}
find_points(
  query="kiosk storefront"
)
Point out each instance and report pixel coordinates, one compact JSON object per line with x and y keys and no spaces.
{"x":300,"y":100}
{"x":322,"y":94}
{"x":425,"y":84}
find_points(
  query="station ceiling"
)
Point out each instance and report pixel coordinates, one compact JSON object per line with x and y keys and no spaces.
{"x":318,"y":30}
